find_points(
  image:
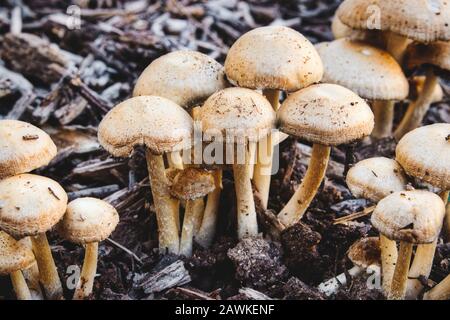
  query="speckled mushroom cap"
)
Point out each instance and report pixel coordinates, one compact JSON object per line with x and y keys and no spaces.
{"x":185,"y":77}
{"x":424,"y":153}
{"x":420,"y":20}
{"x":370,"y":72}
{"x":30,"y":204}
{"x":192,"y":183}
{"x":23,"y":148}
{"x":88,"y":220}
{"x":237,"y":114}
{"x":365,"y":252}
{"x":14,"y":255}
{"x":326,"y":114}
{"x":411,"y":216}
{"x":436,"y":54}
{"x":376,"y":178}
{"x":273,"y":57}
{"x":158,"y":123}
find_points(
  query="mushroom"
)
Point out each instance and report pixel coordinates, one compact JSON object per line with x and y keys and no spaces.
{"x":368,"y":71}
{"x":365,"y":254}
{"x":161,"y":126}
{"x":192,"y":185}
{"x":434,"y":56}
{"x":24,"y":148}
{"x":424,"y":153}
{"x":87,"y":222}
{"x":272,"y":58}
{"x":375,"y":179}
{"x":417,"y":84}
{"x":237,"y":117}
{"x":411,"y":217}
{"x":326,"y":115}
{"x":440,"y":292}
{"x":32,"y":205}
{"x":15,"y":257}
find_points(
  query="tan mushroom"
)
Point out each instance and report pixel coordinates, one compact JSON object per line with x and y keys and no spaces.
{"x":15,"y":257}
{"x":30,"y":206}
{"x":238,"y":117}
{"x":340,"y":30}
{"x":87,"y":222}
{"x":411,"y":217}
{"x":326,"y":115}
{"x":161,"y":126}
{"x":417,"y":84}
{"x":274,"y":59}
{"x":440,"y":292}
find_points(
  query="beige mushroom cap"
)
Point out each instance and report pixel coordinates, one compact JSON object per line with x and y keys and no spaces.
{"x":88,"y":220}
{"x":411,"y":216}
{"x":436,"y":54}
{"x":237,"y":114}
{"x":376,"y":178}
{"x":368,"y":71}
{"x":365,"y":252}
{"x":326,"y":114}
{"x":424,"y":153}
{"x":192,"y":183}
{"x":273,"y":57}
{"x":185,"y":77}
{"x":156,"y":122}
{"x":30,"y":204}
{"x":420,"y":20}
{"x":23,"y":148}
{"x":14,"y":255}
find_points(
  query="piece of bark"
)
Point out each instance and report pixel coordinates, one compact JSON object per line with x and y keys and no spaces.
{"x":252,"y":294}
{"x":174,"y":275}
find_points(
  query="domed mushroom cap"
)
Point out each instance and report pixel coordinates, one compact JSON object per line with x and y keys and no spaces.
{"x":158,"y":123}
{"x":424,"y":153}
{"x":411,"y":216}
{"x":436,"y":54}
{"x":420,"y":20}
{"x":30,"y":204}
{"x":365,"y":252}
{"x":88,"y":220}
{"x":236,"y":114}
{"x":273,"y":57}
{"x":185,"y":77}
{"x":327,"y":114}
{"x":192,"y":183}
{"x":23,"y":148}
{"x":376,"y":178}
{"x":14,"y":256}
{"x":370,"y":72}
{"x":339,"y":29}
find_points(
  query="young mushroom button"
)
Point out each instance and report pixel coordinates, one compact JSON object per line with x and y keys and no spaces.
{"x":326,"y":115}
{"x":30,"y":206}
{"x":88,"y":221}
{"x":161,"y":126}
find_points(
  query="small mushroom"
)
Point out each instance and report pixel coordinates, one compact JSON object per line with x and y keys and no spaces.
{"x":272,"y":58}
{"x":15,"y":257}
{"x":411,"y":217}
{"x":192,"y":185}
{"x":326,"y":115}
{"x":161,"y":126}
{"x":87,"y":222}
{"x":365,"y":254}
{"x":32,"y":205}
{"x":439,"y":292}
{"x":239,"y":117}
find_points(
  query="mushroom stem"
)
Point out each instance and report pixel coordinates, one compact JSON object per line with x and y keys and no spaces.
{"x":191,"y":223}
{"x":273,"y":96}
{"x":31,"y":276}
{"x":48,"y":274}
{"x":252,"y":148}
{"x":263,"y":168}
{"x":86,"y":281}
{"x":166,"y":207}
{"x":417,"y":109}
{"x":440,"y":292}
{"x":332,"y":285}
{"x":444,"y":196}
{"x":20,"y":286}
{"x":384,"y":118}
{"x":207,"y":230}
{"x":389,"y":256}
{"x":396,"y":46}
{"x":298,"y":204}
{"x":400,"y":278}
{"x":246,"y":212}
{"x":175,"y":160}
